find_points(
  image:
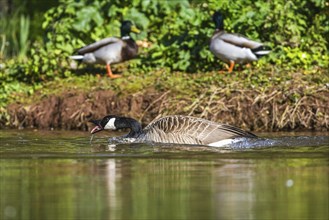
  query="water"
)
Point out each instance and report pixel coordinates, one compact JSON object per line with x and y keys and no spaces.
{"x":60,"y":175}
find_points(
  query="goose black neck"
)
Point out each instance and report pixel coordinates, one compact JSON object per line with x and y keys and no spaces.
{"x":134,"y":126}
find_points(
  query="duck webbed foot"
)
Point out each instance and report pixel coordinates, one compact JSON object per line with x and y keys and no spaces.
{"x":230,"y":69}
{"x":242,"y":67}
{"x":109,"y":72}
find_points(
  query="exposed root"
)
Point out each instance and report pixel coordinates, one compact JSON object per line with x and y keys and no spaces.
{"x":271,"y":110}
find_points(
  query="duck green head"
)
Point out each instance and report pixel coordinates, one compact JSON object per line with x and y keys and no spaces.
{"x":218,"y":19}
{"x":127,"y":27}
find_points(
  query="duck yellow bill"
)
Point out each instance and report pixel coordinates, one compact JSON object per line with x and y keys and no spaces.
{"x":135,"y":29}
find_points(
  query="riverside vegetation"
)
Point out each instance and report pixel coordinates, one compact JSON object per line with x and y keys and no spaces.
{"x":175,"y":72}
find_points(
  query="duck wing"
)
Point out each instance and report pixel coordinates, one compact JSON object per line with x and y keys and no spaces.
{"x":239,"y":40}
{"x":191,"y":130}
{"x":98,"y":44}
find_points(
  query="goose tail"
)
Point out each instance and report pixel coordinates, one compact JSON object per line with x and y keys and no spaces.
{"x":77,"y":57}
{"x":261,"y":51}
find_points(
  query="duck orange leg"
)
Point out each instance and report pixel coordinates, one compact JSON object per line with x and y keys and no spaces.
{"x":230,"y":69}
{"x":223,"y":71}
{"x":109,"y":72}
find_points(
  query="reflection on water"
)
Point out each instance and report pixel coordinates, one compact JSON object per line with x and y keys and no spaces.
{"x":63,"y":177}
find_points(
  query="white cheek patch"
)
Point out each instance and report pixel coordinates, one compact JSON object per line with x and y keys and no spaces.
{"x":110,"y":124}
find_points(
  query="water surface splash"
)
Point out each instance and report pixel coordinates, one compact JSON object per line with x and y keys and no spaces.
{"x":279,"y":142}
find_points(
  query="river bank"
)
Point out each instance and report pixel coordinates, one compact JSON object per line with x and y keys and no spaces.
{"x":253,"y":100}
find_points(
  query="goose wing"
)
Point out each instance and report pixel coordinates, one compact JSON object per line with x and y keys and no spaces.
{"x":239,"y":40}
{"x":191,"y":130}
{"x":98,"y":44}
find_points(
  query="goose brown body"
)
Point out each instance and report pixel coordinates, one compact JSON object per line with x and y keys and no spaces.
{"x":190,"y":130}
{"x":174,"y":129}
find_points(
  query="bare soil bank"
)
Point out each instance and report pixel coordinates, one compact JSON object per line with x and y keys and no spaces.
{"x":272,"y":110}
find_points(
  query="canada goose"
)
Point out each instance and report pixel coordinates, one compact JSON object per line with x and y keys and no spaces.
{"x":233,"y":48}
{"x":174,"y":129}
{"x":110,"y":50}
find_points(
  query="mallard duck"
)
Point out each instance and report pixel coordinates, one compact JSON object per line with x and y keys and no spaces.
{"x":174,"y":129}
{"x":111,"y":50}
{"x":233,"y":48}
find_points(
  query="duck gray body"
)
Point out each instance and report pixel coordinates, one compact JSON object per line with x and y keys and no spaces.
{"x":105,"y":51}
{"x":174,"y":129}
{"x":110,"y":50}
{"x":234,"y":48}
{"x":231,"y":47}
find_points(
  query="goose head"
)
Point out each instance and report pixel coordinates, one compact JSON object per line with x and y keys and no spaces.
{"x":127,"y":27}
{"x":107,"y":123}
{"x":112,"y":122}
{"x":218,"y":19}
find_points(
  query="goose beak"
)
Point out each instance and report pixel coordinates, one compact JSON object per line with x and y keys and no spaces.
{"x":98,"y":126}
{"x":135,"y":29}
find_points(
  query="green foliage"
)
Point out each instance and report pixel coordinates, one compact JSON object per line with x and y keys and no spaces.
{"x":179,"y":33}
{"x":14,"y":35}
{"x":24,"y":26}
